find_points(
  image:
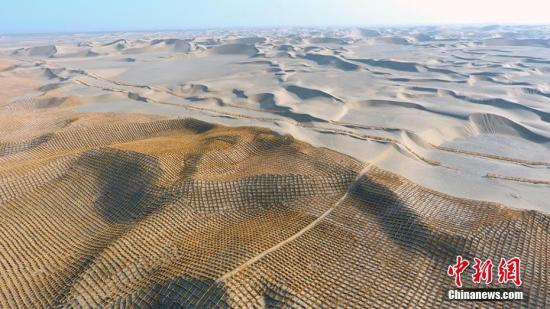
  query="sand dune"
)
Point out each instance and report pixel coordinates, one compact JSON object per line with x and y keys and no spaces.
{"x":329,"y":60}
{"x":281,"y":167}
{"x":389,"y":40}
{"x":389,"y":64}
{"x":37,"y":51}
{"x":307,"y":93}
{"x":494,"y":124}
{"x":369,"y":32}
{"x":236,"y":48}
{"x":129,"y":180}
{"x":404,"y":91}
{"x":517,"y":42}
{"x":177,"y":44}
{"x":156,"y":45}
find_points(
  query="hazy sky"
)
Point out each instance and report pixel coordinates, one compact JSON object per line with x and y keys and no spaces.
{"x":23,"y":16}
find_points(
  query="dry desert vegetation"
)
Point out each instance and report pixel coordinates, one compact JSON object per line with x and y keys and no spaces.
{"x":280,"y":168}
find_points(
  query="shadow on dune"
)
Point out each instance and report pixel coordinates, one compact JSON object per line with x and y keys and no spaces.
{"x":277,"y":296}
{"x":186,"y":293}
{"x":403,"y":226}
{"x":127,"y":190}
{"x":310,"y":93}
{"x":410,"y":105}
{"x":267,"y":101}
{"x":7,"y":149}
{"x":126,"y":194}
{"x":195,"y":126}
{"x":179,"y":292}
{"x":502,"y":104}
{"x":330,"y":60}
{"x":496,"y":124}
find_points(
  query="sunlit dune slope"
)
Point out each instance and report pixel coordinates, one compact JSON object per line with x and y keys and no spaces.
{"x":183,"y":212}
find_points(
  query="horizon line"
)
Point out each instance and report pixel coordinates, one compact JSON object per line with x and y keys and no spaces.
{"x":273,"y":27}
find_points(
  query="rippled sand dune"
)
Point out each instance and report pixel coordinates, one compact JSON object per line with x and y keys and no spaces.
{"x":299,"y":167}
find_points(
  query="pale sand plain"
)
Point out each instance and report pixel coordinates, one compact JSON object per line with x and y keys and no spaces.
{"x":387,"y":145}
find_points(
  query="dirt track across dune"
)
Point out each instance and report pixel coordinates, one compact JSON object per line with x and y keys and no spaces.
{"x":182,"y":212}
{"x":282,"y":168}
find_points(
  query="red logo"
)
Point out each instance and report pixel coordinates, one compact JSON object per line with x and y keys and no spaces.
{"x":457,"y":269}
{"x":483,"y":271}
{"x":508,"y":270}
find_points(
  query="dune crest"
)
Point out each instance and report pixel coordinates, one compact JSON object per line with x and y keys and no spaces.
{"x":214,"y":211}
{"x":291,"y":167}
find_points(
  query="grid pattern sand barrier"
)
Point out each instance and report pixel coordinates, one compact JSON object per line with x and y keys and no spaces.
{"x":177,"y":213}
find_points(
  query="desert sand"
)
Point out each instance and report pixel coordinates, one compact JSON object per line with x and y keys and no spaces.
{"x":274,"y":167}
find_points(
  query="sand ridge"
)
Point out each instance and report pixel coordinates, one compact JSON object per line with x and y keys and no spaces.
{"x":277,"y":168}
{"x":181,"y":212}
{"x":454,"y":103}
